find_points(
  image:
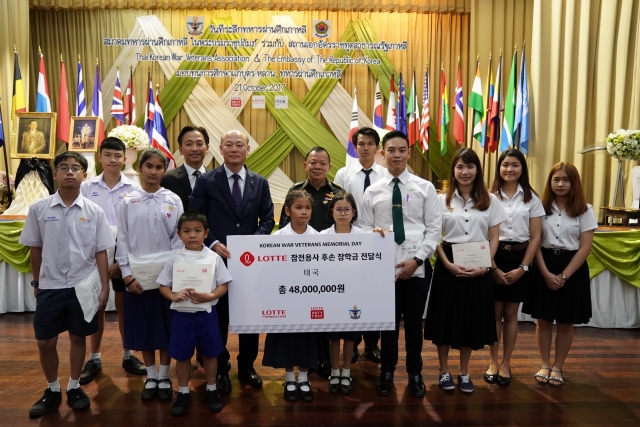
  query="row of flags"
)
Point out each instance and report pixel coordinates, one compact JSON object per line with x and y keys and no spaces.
{"x":487,"y":130}
{"x":124,"y":111}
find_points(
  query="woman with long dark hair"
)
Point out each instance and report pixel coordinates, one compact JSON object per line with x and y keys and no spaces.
{"x":561,"y":289}
{"x":460,"y":311}
{"x":519,"y":242}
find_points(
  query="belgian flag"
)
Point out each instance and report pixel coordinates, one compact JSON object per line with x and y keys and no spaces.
{"x":17,"y":102}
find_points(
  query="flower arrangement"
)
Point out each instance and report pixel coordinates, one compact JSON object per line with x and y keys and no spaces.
{"x":132,"y":136}
{"x":624,"y":144}
{"x":3,"y":182}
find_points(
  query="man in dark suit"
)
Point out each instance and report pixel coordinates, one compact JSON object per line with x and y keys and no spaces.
{"x":193,"y":143}
{"x":235,"y":201}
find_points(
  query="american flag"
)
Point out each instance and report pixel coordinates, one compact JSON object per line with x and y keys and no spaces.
{"x":426,"y":120}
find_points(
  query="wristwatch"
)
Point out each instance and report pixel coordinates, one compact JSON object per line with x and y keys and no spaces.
{"x":35,"y":283}
{"x":564,"y":277}
{"x":418,"y":261}
{"x":525,"y":268}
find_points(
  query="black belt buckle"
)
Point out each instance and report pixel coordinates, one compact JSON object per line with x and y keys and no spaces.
{"x":505,"y":247}
{"x":557,"y":251}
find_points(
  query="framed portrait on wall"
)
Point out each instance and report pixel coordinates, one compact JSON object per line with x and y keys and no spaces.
{"x":82,"y":136}
{"x":34,"y":135}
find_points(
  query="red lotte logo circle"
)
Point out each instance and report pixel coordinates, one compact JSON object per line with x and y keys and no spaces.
{"x":247,"y":258}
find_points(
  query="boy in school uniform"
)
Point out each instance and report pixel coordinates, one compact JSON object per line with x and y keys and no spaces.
{"x":197,"y":329}
{"x":107,"y":190}
{"x":68,"y":235}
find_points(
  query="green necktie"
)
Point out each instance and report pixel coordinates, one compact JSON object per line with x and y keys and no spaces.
{"x":396,"y":212}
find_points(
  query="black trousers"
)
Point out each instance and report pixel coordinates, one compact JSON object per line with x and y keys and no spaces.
{"x":247,"y":343}
{"x":370,"y":338}
{"x":411,"y":298}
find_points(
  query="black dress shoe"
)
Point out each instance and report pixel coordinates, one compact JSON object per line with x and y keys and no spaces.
{"x":305,"y":396}
{"x":504,"y":381}
{"x":345,"y":389}
{"x":149,"y":393}
{"x":324,"y":368}
{"x":167,"y":392}
{"x":90,"y":370}
{"x":333,"y":388}
{"x":224,"y":383}
{"x":372,"y":353}
{"x":416,"y":386}
{"x":490,"y":378}
{"x":385,"y":383}
{"x":48,"y":400}
{"x":134,"y":366}
{"x":77,"y":399}
{"x":251,"y":377}
{"x":180,"y":405}
{"x":214,"y":402}
{"x":290,"y":395}
{"x":355,"y":355}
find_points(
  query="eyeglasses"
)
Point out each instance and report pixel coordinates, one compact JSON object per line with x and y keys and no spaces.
{"x":341,"y":211}
{"x":74,"y":169}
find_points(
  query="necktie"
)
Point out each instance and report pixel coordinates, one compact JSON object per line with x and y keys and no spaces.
{"x":196,"y":174}
{"x":236,"y":194}
{"x":367,"y":180}
{"x":396,"y":213}
{"x":63,"y":241}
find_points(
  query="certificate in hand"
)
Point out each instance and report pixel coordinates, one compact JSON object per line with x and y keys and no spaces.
{"x":146,"y":268}
{"x":475,"y":254}
{"x":88,"y":293}
{"x":196,"y":275}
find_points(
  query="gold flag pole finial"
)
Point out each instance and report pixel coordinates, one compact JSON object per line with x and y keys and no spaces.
{"x":15,"y":49}
{"x":427,"y":64}
{"x":96,"y":61}
{"x":523,"y":44}
{"x":515,"y":48}
{"x":442,"y":65}
{"x":131,"y":68}
{"x":39,"y":50}
{"x":157,"y":86}
{"x":458,"y":59}
{"x":500,"y":51}
{"x":478,"y":57}
{"x":79,"y":58}
{"x":490,"y":56}
{"x":61,"y":60}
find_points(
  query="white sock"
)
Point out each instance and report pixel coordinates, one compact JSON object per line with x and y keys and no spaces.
{"x":151,"y":373}
{"x":55,"y":386}
{"x":73,"y":384}
{"x":183,"y":390}
{"x":126,"y":354}
{"x":163,"y":374}
{"x":211,"y":387}
{"x":290,"y":376}
{"x":335,"y":376}
{"x":302,"y":377}
{"x":346,"y":373}
{"x":94,"y":356}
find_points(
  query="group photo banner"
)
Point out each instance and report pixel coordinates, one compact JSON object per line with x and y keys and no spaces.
{"x":311,"y":283}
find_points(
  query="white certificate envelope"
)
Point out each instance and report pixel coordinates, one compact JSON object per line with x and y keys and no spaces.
{"x":476,"y":254}
{"x":413,"y":236}
{"x":146,"y":268}
{"x":195,"y":270}
{"x":112,"y":250}
{"x":88,"y":293}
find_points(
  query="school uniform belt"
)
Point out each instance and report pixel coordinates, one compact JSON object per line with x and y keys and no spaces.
{"x":513,"y":246}
{"x":554,"y":251}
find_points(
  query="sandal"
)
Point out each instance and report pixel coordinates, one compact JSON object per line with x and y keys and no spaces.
{"x":345,"y":389}
{"x":334,"y":388}
{"x":542,"y":379}
{"x":559,"y":380}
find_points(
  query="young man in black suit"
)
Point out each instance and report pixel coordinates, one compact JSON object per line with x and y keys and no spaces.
{"x":193,"y":143}
{"x":235,"y":201}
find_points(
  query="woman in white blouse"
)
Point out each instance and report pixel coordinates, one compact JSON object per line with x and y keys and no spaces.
{"x":460,"y":313}
{"x":519,"y":242}
{"x":561,"y":288}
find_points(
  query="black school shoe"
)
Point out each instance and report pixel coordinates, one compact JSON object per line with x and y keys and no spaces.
{"x":149,"y":393}
{"x":165,"y":393}
{"x":48,"y":400}
{"x":305,"y":396}
{"x":132,"y":365}
{"x":77,"y":398}
{"x":214,"y":402}
{"x":180,"y":405}
{"x":91,"y":369}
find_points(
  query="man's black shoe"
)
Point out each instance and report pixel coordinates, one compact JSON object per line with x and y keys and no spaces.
{"x":180,"y":405}
{"x":224,"y":383}
{"x":91,"y":369}
{"x":48,"y":400}
{"x":324,"y":368}
{"x":77,"y":398}
{"x":251,"y":377}
{"x":214,"y":402}
{"x":416,"y":386}
{"x":132,"y":365}
{"x":372,"y":353}
{"x":385,"y":383}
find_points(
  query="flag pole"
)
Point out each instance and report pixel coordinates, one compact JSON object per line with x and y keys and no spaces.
{"x":500,"y":117}
{"x":6,"y":161}
{"x":485,"y":147}
{"x":517,"y":133}
{"x":429,"y":101}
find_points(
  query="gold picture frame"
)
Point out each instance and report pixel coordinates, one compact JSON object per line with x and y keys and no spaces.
{"x":82,"y":133}
{"x":34,"y":135}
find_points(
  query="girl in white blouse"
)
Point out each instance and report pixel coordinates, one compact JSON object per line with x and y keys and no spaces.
{"x":287,"y":350}
{"x":147,"y":225}
{"x":519,"y":241}
{"x":561,"y":287}
{"x":460,"y":313}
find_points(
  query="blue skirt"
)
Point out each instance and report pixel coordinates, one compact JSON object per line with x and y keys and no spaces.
{"x":147,"y":321}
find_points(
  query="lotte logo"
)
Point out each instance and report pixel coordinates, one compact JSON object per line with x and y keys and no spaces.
{"x":247,"y":258}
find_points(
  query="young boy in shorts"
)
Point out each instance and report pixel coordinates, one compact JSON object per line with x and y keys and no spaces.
{"x":198,"y":329}
{"x":107,"y":190}
{"x":68,"y":235}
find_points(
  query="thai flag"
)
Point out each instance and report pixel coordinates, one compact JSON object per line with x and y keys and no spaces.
{"x":117,"y":109}
{"x":130,"y":102}
{"x":352,"y":154}
{"x":43,"y":102}
{"x":159,"y":138}
{"x":96,"y":108}
{"x":391,"y":109}
{"x":378,"y":124}
{"x":149,"y":111}
{"x":81,"y":103}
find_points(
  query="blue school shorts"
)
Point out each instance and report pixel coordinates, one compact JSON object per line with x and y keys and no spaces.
{"x":195,"y":330}
{"x":58,"y":310}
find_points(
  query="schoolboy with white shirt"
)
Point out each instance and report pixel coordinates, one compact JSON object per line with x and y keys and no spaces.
{"x":108,"y":190}
{"x":68,"y":236}
{"x":355,"y":179}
